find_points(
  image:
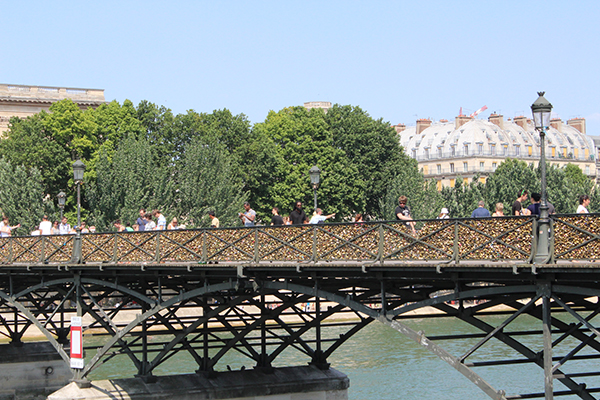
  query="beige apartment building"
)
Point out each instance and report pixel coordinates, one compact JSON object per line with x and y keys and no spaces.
{"x":23,"y":100}
{"x":470,"y":147}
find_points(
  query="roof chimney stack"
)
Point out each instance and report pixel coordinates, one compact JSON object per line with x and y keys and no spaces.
{"x":461,"y":120}
{"x":497,"y":120}
{"x":399,"y":128}
{"x":422,"y":124}
{"x":577,"y":123}
{"x":556,"y":123}
{"x":521,"y":121}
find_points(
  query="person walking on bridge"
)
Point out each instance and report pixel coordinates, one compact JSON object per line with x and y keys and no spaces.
{"x":298,"y":216}
{"x":480,"y":211}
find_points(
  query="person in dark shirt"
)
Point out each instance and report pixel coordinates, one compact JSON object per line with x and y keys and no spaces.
{"x":403,"y":213}
{"x":534,"y":207}
{"x":141,"y":221}
{"x":276,"y":219}
{"x":298,"y":216}
{"x":517,"y":207}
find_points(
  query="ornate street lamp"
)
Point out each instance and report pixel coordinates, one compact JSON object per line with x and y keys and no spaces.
{"x":315,"y":179}
{"x":541,"y":110}
{"x":78,"y":169}
{"x":62,"y":198}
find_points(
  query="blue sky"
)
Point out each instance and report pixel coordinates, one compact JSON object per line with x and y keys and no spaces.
{"x":397,"y":60}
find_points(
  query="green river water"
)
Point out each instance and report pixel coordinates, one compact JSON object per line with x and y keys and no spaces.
{"x":383,"y":364}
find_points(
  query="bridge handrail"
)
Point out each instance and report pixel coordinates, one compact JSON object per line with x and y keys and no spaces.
{"x":437,"y":240}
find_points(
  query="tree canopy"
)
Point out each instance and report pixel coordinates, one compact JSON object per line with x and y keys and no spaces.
{"x":191,"y":163}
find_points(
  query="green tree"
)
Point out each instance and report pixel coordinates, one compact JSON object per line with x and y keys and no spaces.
{"x":509,"y":179}
{"x":462,"y":199}
{"x":127,"y":182}
{"x":300,"y":138}
{"x":22,"y":197}
{"x":370,"y":145}
{"x":207,"y":182}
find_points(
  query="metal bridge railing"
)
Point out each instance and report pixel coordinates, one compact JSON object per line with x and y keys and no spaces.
{"x":448,"y":240}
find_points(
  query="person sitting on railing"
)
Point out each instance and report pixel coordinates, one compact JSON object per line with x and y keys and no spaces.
{"x":174,"y":224}
{"x":318,"y":218}
{"x":403,"y":213}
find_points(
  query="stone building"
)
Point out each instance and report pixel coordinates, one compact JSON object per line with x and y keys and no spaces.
{"x":470,"y":147}
{"x":23,"y":101}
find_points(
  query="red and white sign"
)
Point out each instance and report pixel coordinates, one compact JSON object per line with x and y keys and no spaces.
{"x":76,"y":343}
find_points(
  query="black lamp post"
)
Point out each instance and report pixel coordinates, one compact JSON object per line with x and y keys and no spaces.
{"x":541,"y":110}
{"x":78,"y":169}
{"x":315,"y":179}
{"x":62,"y":198}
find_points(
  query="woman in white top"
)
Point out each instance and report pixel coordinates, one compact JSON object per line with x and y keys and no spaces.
{"x":584,"y":202}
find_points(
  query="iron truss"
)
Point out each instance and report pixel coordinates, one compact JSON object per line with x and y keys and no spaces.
{"x":265,"y":291}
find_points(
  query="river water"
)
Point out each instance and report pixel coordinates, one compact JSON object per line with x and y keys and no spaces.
{"x":383,"y":364}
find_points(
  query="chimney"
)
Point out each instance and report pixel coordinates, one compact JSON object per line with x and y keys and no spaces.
{"x":497,"y":120}
{"x":521,"y":121}
{"x":577,"y":123}
{"x":556,"y":123}
{"x":399,"y":128}
{"x":422,"y":124}
{"x":461,"y":120}
{"x":443,"y":121}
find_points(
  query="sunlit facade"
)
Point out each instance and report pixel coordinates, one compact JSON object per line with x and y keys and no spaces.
{"x":469,"y":147}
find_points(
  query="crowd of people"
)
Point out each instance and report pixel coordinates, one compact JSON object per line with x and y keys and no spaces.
{"x":155,"y":220}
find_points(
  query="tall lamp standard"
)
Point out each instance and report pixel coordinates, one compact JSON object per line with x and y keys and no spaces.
{"x":541,"y":111}
{"x":62,"y":198}
{"x":78,"y":169}
{"x":315,"y":179}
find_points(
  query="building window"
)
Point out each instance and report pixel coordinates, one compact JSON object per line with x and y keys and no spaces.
{"x":439,"y":152}
{"x":466,"y":149}
{"x":451,"y":182}
{"x":425,"y":169}
{"x":505,"y":150}
{"x":451,"y":167}
{"x":465,"y":181}
{"x":587,"y":169}
{"x":453,"y":151}
{"x":553,"y":152}
{"x":517,"y":150}
{"x":439,"y":186}
{"x":427,"y":154}
{"x":439,"y":168}
{"x":482,"y":179}
{"x":480,"y":148}
{"x":493,"y":149}
{"x":482,"y":166}
{"x":576,"y":152}
{"x":494,"y":166}
{"x":465,"y":167}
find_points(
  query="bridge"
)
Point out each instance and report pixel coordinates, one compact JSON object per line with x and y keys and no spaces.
{"x":264,"y":290}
